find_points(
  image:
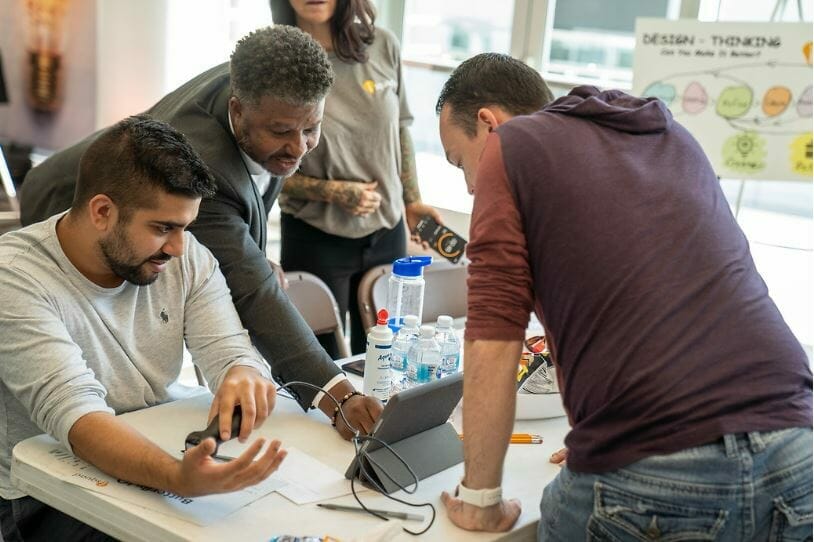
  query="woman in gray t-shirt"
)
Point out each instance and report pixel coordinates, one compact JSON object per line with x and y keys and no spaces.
{"x":344,"y":210}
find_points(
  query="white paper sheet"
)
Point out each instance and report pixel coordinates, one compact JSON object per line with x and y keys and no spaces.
{"x":308,"y":480}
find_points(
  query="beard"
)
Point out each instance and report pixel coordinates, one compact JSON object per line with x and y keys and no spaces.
{"x":119,"y":257}
{"x":268,"y":162}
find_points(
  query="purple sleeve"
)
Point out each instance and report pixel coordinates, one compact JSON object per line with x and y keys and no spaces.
{"x":499,"y":297}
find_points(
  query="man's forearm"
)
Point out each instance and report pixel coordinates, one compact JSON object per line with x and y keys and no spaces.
{"x":346,"y":193}
{"x":409,"y":177}
{"x":300,"y":186}
{"x":489,"y":405}
{"x":119,"y":450}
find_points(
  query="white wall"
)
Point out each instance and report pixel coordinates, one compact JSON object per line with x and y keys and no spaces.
{"x":130,"y":59}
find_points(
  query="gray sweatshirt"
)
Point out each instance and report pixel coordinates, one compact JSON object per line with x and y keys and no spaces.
{"x":69,"y":347}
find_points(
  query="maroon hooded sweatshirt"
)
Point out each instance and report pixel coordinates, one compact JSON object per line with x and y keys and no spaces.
{"x":604,"y":215}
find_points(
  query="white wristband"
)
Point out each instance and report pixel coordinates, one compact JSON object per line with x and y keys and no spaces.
{"x":479,"y":497}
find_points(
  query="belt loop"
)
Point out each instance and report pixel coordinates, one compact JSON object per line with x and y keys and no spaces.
{"x":756,"y":443}
{"x":731,"y":445}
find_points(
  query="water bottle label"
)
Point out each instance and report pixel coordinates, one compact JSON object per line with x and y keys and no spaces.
{"x":398,"y":361}
{"x":428,"y":372}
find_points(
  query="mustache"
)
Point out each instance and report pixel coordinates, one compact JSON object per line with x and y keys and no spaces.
{"x":159,"y":257}
{"x":283,"y":156}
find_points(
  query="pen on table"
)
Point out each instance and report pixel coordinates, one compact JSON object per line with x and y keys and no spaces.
{"x":385,"y":513}
{"x":520,"y":438}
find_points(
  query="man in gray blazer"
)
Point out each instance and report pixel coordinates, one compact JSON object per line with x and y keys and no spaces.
{"x":251,"y":120}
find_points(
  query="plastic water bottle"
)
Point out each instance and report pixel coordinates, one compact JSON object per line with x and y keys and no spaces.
{"x":405,"y":289}
{"x":377,"y":359}
{"x":450,"y":346}
{"x":424,"y":357}
{"x":407,"y":335}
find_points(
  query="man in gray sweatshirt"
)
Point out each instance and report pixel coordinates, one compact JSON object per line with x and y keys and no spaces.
{"x":97,"y":305}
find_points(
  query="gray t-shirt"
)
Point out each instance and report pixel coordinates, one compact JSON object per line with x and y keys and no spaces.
{"x":69,"y":347}
{"x":360,"y":141}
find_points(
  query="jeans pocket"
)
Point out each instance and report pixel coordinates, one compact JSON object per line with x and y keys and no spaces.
{"x":621,"y":515}
{"x":791,"y":519}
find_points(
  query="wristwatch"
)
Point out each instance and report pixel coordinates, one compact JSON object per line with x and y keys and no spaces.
{"x":479,"y":497}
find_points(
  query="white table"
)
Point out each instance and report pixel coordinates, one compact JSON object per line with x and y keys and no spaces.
{"x":526,"y":472}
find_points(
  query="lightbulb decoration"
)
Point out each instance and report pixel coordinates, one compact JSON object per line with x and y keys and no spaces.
{"x":45,"y":42}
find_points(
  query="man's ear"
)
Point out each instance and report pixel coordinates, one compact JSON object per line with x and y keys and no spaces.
{"x":103,"y":212}
{"x":235,"y":108}
{"x":493,"y":116}
{"x":490,"y":117}
{"x":487,"y":118}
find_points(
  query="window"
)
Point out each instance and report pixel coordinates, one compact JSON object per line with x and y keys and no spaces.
{"x":198,"y":39}
{"x":437,"y":36}
{"x":448,"y":32}
{"x":592,"y":40}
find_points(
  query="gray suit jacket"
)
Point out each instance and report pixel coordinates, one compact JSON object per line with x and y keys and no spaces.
{"x":232,"y":224}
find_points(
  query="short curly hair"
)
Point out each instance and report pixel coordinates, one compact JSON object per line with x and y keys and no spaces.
{"x":283,"y":62}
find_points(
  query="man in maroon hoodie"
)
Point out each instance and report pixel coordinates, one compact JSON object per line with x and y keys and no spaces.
{"x":689,"y":398}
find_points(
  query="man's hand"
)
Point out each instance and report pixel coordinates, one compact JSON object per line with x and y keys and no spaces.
{"x":357,"y":198}
{"x":255,"y":394}
{"x":413,"y":213}
{"x":200,"y":474}
{"x":361,"y":411}
{"x":497,"y":518}
{"x":114,"y":447}
{"x":559,"y":457}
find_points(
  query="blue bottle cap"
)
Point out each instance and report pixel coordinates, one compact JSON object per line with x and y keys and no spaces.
{"x":411,"y":266}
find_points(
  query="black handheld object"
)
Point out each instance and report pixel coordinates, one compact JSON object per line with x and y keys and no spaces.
{"x":212,"y":431}
{"x":356,"y":365}
{"x":441,"y":239}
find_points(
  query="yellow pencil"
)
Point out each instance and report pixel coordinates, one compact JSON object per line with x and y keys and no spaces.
{"x":520,"y":438}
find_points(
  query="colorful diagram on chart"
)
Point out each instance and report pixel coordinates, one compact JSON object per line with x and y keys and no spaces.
{"x":744,"y":90}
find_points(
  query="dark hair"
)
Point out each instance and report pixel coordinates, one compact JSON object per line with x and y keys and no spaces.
{"x":352,"y":27}
{"x":492,"y":79}
{"x":131,"y":159}
{"x":283,"y":62}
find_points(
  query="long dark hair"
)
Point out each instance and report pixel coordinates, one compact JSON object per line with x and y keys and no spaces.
{"x":352,"y":27}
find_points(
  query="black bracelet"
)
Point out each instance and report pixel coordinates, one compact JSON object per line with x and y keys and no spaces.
{"x":342,"y":402}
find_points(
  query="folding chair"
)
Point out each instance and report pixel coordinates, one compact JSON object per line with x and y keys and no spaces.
{"x":444,"y":291}
{"x":372,"y":293}
{"x":317,"y":305}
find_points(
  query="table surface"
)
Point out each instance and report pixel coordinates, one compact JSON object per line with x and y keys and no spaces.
{"x":526,"y":472}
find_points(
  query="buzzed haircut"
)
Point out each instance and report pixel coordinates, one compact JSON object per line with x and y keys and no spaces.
{"x":282,"y":62}
{"x":133,"y":159}
{"x":492,"y":79}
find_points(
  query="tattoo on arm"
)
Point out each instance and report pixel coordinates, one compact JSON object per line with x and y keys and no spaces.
{"x":299,"y":186}
{"x":409,"y":178}
{"x":344,"y":193}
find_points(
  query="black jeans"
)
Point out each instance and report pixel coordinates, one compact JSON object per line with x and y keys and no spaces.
{"x":29,"y":520}
{"x":340,"y":262}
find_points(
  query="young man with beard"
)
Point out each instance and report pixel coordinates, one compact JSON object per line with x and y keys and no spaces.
{"x":251,"y":120}
{"x":97,"y":305}
{"x":688,"y":396}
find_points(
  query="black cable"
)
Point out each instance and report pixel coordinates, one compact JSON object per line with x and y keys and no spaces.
{"x":358,"y":439}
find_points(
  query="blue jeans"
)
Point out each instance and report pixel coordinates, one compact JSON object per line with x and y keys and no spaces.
{"x":754,"y":486}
